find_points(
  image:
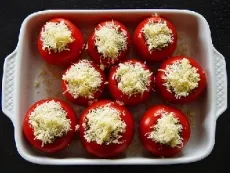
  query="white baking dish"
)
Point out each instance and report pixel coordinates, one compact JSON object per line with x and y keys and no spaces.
{"x":23,"y":67}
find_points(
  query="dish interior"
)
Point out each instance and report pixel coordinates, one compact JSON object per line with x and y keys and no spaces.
{"x":39,"y":80}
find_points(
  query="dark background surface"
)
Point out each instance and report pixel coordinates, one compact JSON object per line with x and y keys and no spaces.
{"x":12,"y":13}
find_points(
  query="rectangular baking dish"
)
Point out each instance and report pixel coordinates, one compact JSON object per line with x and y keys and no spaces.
{"x":27,"y":79}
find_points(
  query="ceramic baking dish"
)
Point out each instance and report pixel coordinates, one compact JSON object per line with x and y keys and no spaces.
{"x":27,"y":79}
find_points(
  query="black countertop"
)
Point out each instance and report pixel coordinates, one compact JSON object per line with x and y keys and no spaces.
{"x":217,"y":13}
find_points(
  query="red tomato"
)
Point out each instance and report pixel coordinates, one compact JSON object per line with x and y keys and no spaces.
{"x":82,"y":100}
{"x":170,"y":96}
{"x":63,"y":58}
{"x":110,"y":150}
{"x":148,"y":120}
{"x":61,"y":142}
{"x":96,"y":56}
{"x":128,"y":99}
{"x":141,"y":46}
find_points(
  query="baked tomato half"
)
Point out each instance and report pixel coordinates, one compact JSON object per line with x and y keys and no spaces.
{"x":130,"y":82}
{"x":164,"y":130}
{"x":106,"y":129}
{"x":60,"y":42}
{"x":109,"y":43}
{"x":180,"y":79}
{"x":155,"y":39}
{"x":49,"y":125}
{"x":83,"y":82}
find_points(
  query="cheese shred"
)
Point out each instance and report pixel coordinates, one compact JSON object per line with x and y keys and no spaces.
{"x":157,"y":35}
{"x":110,"y":40}
{"x":132,"y":78}
{"x":49,"y":121}
{"x":104,"y":125}
{"x":82,"y":79}
{"x":167,"y":130}
{"x":181,"y":78}
{"x":56,"y":36}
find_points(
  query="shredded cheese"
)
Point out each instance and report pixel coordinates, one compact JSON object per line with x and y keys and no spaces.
{"x":49,"y":121}
{"x":104,"y":125}
{"x":181,"y":78}
{"x":56,"y":36}
{"x":82,"y":79}
{"x":167,"y":130}
{"x":157,"y":35}
{"x":132,"y":78}
{"x":36,"y":83}
{"x":110,"y":40}
{"x":77,"y":127}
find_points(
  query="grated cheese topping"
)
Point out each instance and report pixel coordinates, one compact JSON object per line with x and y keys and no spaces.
{"x":49,"y":121}
{"x":82,"y":79}
{"x":56,"y":36}
{"x":167,"y":130}
{"x":104,"y":125}
{"x":132,"y":78}
{"x":157,"y":35}
{"x":110,"y":40}
{"x":181,"y":78}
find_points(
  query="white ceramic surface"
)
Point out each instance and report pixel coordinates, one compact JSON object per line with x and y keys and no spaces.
{"x":24,"y":67}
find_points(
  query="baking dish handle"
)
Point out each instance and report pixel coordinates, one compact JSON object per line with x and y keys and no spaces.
{"x":8,"y":85}
{"x":221,"y":82}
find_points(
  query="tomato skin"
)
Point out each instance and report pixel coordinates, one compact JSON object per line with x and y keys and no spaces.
{"x":168,"y":96}
{"x":111,"y":150}
{"x":59,"y":143}
{"x":126,"y":99}
{"x":142,"y":48}
{"x":66,"y":57}
{"x":149,"y":119}
{"x":82,"y":100}
{"x":97,"y":57}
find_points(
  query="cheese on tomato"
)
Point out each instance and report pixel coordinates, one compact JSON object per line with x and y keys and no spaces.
{"x":104,"y":125}
{"x":157,"y":35}
{"x":110,"y":40}
{"x":49,"y":121}
{"x":132,"y":78}
{"x":56,"y":36}
{"x":181,"y":78}
{"x":167,"y":130}
{"x":82,"y":79}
